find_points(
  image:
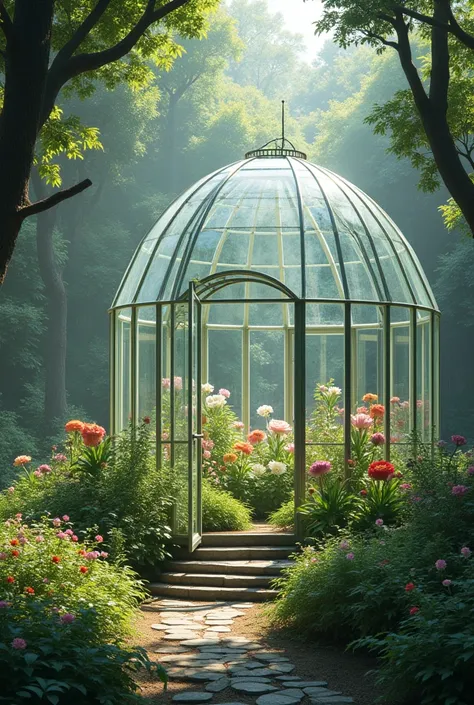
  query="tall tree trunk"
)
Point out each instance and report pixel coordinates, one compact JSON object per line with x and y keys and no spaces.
{"x":55,"y":349}
{"x":26,"y":66}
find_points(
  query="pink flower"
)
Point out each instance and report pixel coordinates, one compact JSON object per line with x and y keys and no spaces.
{"x":67,"y":618}
{"x":238,"y":424}
{"x":74,"y":538}
{"x":178,"y":383}
{"x":65,"y":517}
{"x":406,"y":486}
{"x":320,"y":467}
{"x":99,"y":538}
{"x":45,"y":581}
{"x":459,"y":490}
{"x":350,"y":556}
{"x":18,"y":643}
{"x":166,"y":383}
{"x":465,"y":551}
{"x":378,"y":439}
{"x":39,"y":538}
{"x":362,"y":410}
{"x":59,"y":458}
{"x":69,"y":532}
{"x":458,"y":440}
{"x":38,"y":473}
{"x":57,"y":521}
{"x":290,"y":448}
{"x":104,"y":554}
{"x":446,"y":582}
{"x":207,"y":444}
{"x":470,"y":470}
{"x":344,"y":544}
{"x":62,"y":535}
{"x":395,"y":400}
{"x":414,"y":610}
{"x":92,"y":555}
{"x":361,"y":421}
{"x":280,"y":427}
{"x":207,"y":454}
{"x":440,"y":564}
{"x":3,"y":604}
{"x":225,"y":393}
{"x":44,"y":469}
{"x":379,"y":522}
{"x":3,"y":556}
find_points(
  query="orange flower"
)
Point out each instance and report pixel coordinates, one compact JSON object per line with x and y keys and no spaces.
{"x":92,"y":434}
{"x":256,"y":436}
{"x":370,"y":397}
{"x":381,"y":470}
{"x":229,"y":458}
{"x":29,"y":591}
{"x":22,"y":460}
{"x":377,"y":411}
{"x":242,"y":447}
{"x":74,"y":425}
{"x":83,"y":569}
{"x":14,"y":542}
{"x":15,"y":554}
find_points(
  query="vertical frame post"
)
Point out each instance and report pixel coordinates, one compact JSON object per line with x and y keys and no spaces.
{"x":300,"y":410}
{"x":172,"y":399}
{"x":246,"y":377}
{"x":192,"y":441}
{"x":133,"y":366}
{"x":387,"y":373}
{"x":158,"y":382}
{"x":347,"y":385}
{"x":432,"y":379}
{"x":199,"y":411}
{"x":413,"y":374}
{"x":113,"y":381}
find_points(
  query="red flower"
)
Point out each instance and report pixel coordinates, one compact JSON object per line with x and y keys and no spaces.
{"x":83,"y":569}
{"x":381,"y":470}
{"x":10,"y":579}
{"x":414,"y":610}
{"x":409,"y":587}
{"x":146,"y":419}
{"x":56,"y":559}
{"x":82,"y":552}
{"x":363,"y":493}
{"x":29,"y":591}
{"x":377,"y":411}
{"x":15,"y":554}
{"x":14,"y":542}
{"x":92,"y":434}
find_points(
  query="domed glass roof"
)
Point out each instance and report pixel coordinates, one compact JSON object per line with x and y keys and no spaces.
{"x":291,"y":220}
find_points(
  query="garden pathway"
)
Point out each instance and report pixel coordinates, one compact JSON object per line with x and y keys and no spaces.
{"x":204,"y":652}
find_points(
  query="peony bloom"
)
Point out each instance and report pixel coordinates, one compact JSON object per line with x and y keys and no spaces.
{"x":22,"y":460}
{"x":207,"y":444}
{"x":56,"y":559}
{"x":166,"y":383}
{"x":350,"y":556}
{"x":60,"y":458}
{"x":320,"y":467}
{"x":381,"y":470}
{"x":256,"y":436}
{"x":280,"y":427}
{"x":11,"y":490}
{"x":409,"y":587}
{"x":447,"y":582}
{"x":362,"y":410}
{"x":258,"y":469}
{"x":458,"y":440}
{"x":74,"y":425}
{"x":277,"y":468}
{"x":92,"y":434}
{"x":104,"y":554}
{"x":265,"y":410}
{"x":67,"y":618}
{"x":65,"y":517}
{"x":18,"y":643}
{"x":470,"y":470}
{"x":206,"y":454}
{"x":377,"y":411}
{"x":344,"y":544}
{"x":361,"y":421}
{"x":379,"y":522}
{"x":242,"y":447}
{"x":229,"y":458}
{"x":39,"y":538}
{"x":290,"y":448}
{"x":207,"y":388}
{"x":465,"y":551}
{"x":178,"y":383}
{"x":370,"y":397}
{"x":395,"y":400}
{"x":414,"y":610}
{"x":44,"y":469}
{"x":216,"y":401}
{"x":56,"y":521}
{"x":238,"y":424}
{"x":37,"y":473}
{"x":224,"y":392}
{"x":440,"y":564}
{"x":459,"y":490}
{"x":378,"y":439}
{"x":99,"y":538}
{"x":406,"y":486}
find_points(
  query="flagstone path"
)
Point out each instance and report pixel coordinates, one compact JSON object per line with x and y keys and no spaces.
{"x":197,"y":647}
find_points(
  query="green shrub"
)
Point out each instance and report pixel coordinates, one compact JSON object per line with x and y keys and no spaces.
{"x":284,"y":517}
{"x":222,"y":512}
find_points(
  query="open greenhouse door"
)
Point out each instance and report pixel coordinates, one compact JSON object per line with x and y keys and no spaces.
{"x":194,"y":416}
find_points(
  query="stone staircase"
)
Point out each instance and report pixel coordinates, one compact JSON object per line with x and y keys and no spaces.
{"x":235,"y":566}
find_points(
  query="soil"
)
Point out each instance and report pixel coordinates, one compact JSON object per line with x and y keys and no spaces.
{"x":342,"y":670}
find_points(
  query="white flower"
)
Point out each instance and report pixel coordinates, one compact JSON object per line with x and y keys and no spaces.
{"x":207,"y":388}
{"x":276,"y":467}
{"x":216,"y":401}
{"x":258,"y":469}
{"x":264,"y":410}
{"x":335,"y":390}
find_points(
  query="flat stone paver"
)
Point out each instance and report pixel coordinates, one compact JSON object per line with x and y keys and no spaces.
{"x":321,"y":692}
{"x":218,"y":628}
{"x":337,"y":699}
{"x":170,"y":650}
{"x":254,"y":672}
{"x":253,"y":687}
{"x":281,"y":697}
{"x":306,"y":684}
{"x":218,"y":686}
{"x":192,"y":696}
{"x":179,"y":636}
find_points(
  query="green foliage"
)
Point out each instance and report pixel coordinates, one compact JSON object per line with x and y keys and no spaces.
{"x":222,"y":512}
{"x":330,"y":508}
{"x":284,"y":517}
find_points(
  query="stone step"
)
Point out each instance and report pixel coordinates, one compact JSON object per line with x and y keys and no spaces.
{"x":244,"y":567}
{"x":236,"y":553}
{"x":217,"y":580}
{"x":248,"y":538}
{"x":212,"y":594}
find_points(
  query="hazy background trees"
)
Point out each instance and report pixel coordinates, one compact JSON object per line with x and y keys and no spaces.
{"x":220,"y":99}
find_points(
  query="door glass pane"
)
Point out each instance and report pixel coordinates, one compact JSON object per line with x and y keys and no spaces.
{"x":146,"y":374}
{"x":400,"y":382}
{"x":123,"y":368}
{"x":423,"y":377}
{"x":267,"y":374}
{"x":179,"y":385}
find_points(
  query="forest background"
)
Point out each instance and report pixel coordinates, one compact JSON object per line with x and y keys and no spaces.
{"x":142,"y":147}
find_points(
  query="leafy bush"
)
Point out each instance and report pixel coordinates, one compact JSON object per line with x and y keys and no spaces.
{"x":223,"y":512}
{"x":284,"y":517}
{"x":114,"y":487}
{"x":64,"y":615}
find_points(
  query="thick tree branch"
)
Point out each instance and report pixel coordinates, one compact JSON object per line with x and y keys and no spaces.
{"x":451,"y":25}
{"x":6,"y":24}
{"x":439,"y":81}
{"x":458,"y":31}
{"x":51,"y":201}
{"x":409,"y":69}
{"x":81,"y":33}
{"x":382,"y":40}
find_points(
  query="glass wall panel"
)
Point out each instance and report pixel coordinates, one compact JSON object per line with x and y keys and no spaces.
{"x":224,"y":369}
{"x":368,"y":367}
{"x":267,"y":374}
{"x":146,"y":360}
{"x":400,"y":374}
{"x":180,"y":367}
{"x":123,"y":368}
{"x":423,"y":375}
{"x":181,"y":479}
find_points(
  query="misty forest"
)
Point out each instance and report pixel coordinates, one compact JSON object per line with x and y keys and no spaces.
{"x":257,"y":352}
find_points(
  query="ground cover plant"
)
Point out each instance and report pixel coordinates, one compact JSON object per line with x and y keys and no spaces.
{"x":406,"y":590}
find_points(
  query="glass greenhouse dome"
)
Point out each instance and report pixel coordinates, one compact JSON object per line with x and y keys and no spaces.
{"x":273,"y":278}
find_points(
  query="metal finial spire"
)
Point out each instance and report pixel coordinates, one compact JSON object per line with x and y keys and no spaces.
{"x":273,"y":149}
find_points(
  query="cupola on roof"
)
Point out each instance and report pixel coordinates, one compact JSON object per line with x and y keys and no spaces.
{"x":279,"y":215}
